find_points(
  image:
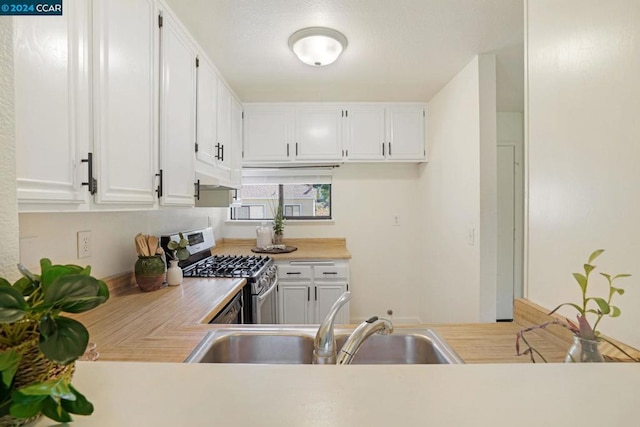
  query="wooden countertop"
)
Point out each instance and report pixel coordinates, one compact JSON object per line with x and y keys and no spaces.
{"x":165,"y":325}
{"x":307,"y":248}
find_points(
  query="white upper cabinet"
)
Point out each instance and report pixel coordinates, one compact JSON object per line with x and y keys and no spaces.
{"x":207,"y":113}
{"x":224,"y":131}
{"x":216,"y":143}
{"x":177,"y":115}
{"x":236,"y":143}
{"x":323,"y":132}
{"x":125,"y":70}
{"x":52,"y":121}
{"x":318,"y":133}
{"x":268,"y":133}
{"x":406,"y":133}
{"x":364,"y":133}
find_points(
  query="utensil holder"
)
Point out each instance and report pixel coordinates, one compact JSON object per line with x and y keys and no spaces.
{"x":149,"y":273}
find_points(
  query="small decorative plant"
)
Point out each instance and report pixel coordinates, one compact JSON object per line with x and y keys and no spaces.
{"x":179,"y":249}
{"x":38,"y":345}
{"x":278,"y":222}
{"x":596,"y":307}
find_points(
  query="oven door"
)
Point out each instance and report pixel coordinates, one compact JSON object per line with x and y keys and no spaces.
{"x":265,"y":305}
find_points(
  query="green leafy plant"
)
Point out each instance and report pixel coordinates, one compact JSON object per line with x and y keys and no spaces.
{"x":30,"y":309}
{"x":179,"y":249}
{"x":593,"y":306}
{"x":278,"y":221}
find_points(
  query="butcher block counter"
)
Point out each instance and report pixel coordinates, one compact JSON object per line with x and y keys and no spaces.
{"x":165,"y":325}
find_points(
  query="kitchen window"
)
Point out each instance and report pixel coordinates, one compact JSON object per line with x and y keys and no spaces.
{"x":302,"y":195}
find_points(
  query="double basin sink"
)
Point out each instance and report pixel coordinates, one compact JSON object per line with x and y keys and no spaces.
{"x":294,"y":345}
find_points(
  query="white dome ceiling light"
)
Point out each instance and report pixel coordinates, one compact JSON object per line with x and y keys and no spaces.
{"x":317,"y":46}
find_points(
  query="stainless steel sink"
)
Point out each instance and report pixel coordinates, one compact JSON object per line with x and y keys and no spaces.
{"x":294,"y":345}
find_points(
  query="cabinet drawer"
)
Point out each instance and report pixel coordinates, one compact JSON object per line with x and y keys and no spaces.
{"x":294,"y":272}
{"x":330,"y":272}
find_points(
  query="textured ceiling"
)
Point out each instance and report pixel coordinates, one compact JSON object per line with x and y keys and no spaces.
{"x":399,"y":50}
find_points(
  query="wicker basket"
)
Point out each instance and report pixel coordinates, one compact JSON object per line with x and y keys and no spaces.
{"x":34,"y":367}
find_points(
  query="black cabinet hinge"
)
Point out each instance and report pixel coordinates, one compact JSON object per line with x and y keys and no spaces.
{"x":196,"y":147}
{"x":160,"y":23}
{"x":243,"y":115}
{"x":197,"y":62}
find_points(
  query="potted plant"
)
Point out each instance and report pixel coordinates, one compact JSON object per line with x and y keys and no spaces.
{"x":177,"y":252}
{"x":38,"y":345}
{"x":586,"y":337}
{"x":278,"y":226}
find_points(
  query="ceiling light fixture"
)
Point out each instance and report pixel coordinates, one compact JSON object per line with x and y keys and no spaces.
{"x":317,"y":46}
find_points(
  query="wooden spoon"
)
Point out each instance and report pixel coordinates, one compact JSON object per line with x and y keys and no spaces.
{"x":152,"y":242}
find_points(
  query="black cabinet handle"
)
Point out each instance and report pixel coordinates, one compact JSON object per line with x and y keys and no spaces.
{"x":329,"y":272}
{"x":296,"y":148}
{"x":287,"y":149}
{"x":91,"y":182}
{"x":197,"y":186}
{"x":308,"y":294}
{"x":389,"y":148}
{"x":293,"y":272}
{"x":222,"y":156}
{"x":316,"y":292}
{"x":383,"y":148}
{"x":160,"y":184}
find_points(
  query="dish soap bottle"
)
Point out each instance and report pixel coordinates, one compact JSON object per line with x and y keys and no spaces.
{"x":263,"y":233}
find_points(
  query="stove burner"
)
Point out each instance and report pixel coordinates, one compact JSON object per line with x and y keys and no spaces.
{"x":228,"y":266}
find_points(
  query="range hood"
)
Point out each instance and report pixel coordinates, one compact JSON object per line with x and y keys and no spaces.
{"x":211,"y":194}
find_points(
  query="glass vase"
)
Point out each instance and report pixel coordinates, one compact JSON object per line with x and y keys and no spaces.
{"x":583,"y":351}
{"x":277,"y":239}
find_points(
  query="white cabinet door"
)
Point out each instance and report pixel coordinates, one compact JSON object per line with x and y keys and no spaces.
{"x":224,"y":131}
{"x":326,"y":294}
{"x":125,"y":69}
{"x":236,"y":143}
{"x":294,"y":302}
{"x":268,"y":134}
{"x":318,"y":133}
{"x":51,"y":71}
{"x":364,"y":133}
{"x":177,"y":116}
{"x":406,"y":133}
{"x":207,"y":113}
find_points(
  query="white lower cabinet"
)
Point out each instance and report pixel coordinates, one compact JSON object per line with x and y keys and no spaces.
{"x":308,"y":289}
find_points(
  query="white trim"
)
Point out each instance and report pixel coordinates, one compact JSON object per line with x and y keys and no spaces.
{"x":287,"y":176}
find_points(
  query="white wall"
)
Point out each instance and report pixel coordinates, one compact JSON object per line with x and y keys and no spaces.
{"x":53,"y":235}
{"x":583,"y":150}
{"x":450,"y":200}
{"x":8,"y":204}
{"x":366,"y":197}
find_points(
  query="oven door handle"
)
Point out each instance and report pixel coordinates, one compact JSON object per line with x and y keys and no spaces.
{"x":266,"y":294}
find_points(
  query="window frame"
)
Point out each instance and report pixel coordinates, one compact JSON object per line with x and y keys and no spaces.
{"x":281,"y":204}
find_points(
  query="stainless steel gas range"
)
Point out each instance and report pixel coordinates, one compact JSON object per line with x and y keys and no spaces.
{"x":257,"y":302}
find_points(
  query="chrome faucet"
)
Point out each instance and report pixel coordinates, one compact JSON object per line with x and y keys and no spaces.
{"x":359,"y":335}
{"x":324,"y":346}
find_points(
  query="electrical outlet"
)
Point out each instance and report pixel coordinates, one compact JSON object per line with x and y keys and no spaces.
{"x":396,"y":220}
{"x":84,"y":244}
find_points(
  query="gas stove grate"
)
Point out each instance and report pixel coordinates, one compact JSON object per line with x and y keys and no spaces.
{"x":228,"y":266}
